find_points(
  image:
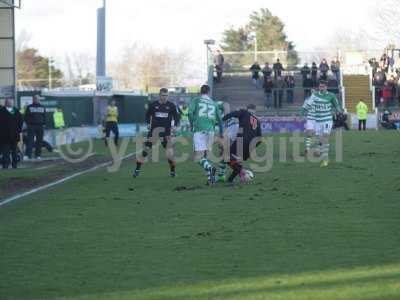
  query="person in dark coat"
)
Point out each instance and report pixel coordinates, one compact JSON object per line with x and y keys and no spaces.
{"x":35,"y":118}
{"x":10,"y":129}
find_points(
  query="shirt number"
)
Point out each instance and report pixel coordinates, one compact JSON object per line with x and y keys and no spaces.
{"x":207,"y":111}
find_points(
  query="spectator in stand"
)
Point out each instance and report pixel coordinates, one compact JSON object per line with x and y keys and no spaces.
{"x":387,"y":94}
{"x":384,"y":63}
{"x":308,"y":85}
{"x":255,"y":73}
{"x":335,"y":68}
{"x":374,"y":65}
{"x":289,"y":84}
{"x":362,"y":114}
{"x":305,"y":72}
{"x":278,"y":92}
{"x":324,"y":68}
{"x":314,"y":74}
{"x":219,"y":65}
{"x":268,"y":88}
{"x":386,"y":121}
{"x":392,"y":81}
{"x":333,"y":84}
{"x":278,"y":68}
{"x":397,"y":66}
{"x":267,"y":71}
{"x":379,"y":78}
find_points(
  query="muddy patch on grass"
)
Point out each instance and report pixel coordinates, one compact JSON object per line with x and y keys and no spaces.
{"x":57,"y":170}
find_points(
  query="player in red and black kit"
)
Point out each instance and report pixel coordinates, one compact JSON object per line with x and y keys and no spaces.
{"x":159,"y":117}
{"x":241,"y":148}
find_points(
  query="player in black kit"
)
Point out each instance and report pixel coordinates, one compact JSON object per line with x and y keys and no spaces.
{"x":241,"y":148}
{"x":159,"y":117}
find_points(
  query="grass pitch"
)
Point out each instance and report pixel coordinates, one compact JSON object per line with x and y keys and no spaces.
{"x":296,"y":232}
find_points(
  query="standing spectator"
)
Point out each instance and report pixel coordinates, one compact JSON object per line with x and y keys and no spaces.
{"x":267,"y":71}
{"x":279,"y":86}
{"x":333,"y":85}
{"x":384,"y":63}
{"x":290,"y":84}
{"x":219,"y":65}
{"x":335,"y":68}
{"x":314,"y":74}
{"x":112,"y":122}
{"x":308,"y":85}
{"x":268,"y":88}
{"x":387,"y":94}
{"x":397,"y":66}
{"x":362,"y":114}
{"x":305,"y":72}
{"x":324,"y":68}
{"x":278,"y":68}
{"x":35,"y":119}
{"x":374,"y":65}
{"x":255,"y":73}
{"x":10,"y":130}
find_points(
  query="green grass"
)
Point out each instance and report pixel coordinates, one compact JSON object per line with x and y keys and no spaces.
{"x":297,"y":232}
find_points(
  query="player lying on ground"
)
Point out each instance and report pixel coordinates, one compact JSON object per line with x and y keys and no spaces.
{"x":204,"y":115}
{"x":162,"y":117}
{"x":246,"y":140}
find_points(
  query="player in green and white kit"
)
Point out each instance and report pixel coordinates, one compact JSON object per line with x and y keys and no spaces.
{"x":308,"y":111}
{"x":324,"y":105}
{"x":204,"y":115}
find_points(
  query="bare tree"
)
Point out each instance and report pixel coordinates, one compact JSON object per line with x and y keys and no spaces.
{"x":23,"y":40}
{"x":385,"y":16}
{"x":144,"y":67}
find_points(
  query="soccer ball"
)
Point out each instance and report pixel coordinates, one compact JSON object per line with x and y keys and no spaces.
{"x":248,"y":175}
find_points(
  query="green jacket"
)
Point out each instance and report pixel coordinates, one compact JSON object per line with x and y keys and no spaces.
{"x":58,"y":118}
{"x":362,"y":110}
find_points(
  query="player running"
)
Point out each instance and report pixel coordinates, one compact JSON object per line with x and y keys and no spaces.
{"x":162,"y":117}
{"x":324,"y":105}
{"x":204,"y":115}
{"x":249,"y":129}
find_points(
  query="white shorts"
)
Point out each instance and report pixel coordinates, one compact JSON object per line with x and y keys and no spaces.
{"x":232,"y":131}
{"x":184,"y":123}
{"x":323,"y":128}
{"x":203,"y":141}
{"x":310,"y":125}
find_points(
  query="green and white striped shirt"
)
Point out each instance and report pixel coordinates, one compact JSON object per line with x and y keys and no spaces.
{"x":324,"y":105}
{"x":308,"y":109}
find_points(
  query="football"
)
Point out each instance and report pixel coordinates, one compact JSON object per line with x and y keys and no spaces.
{"x":249,"y":175}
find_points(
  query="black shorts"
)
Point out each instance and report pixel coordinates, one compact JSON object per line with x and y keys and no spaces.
{"x":164,"y":136}
{"x":237,"y":152}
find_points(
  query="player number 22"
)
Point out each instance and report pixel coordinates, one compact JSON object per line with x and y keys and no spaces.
{"x":206,"y":111}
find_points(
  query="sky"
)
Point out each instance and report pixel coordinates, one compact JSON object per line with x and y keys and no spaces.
{"x":60,"y":27}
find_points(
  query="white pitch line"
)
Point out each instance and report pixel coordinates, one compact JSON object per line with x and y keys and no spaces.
{"x":49,"y":185}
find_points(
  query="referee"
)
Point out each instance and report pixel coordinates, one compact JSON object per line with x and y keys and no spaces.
{"x":112,"y":122}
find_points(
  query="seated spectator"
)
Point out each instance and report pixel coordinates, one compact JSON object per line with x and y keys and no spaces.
{"x":324,"y":68}
{"x":267,"y":71}
{"x":268,"y":88}
{"x":314,"y":74}
{"x":392,"y":82}
{"x":305,"y":71}
{"x":278,"y":68}
{"x":289,"y":84}
{"x":340,"y":120}
{"x":386,"y":122}
{"x":255,"y":73}
{"x":279,"y":87}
